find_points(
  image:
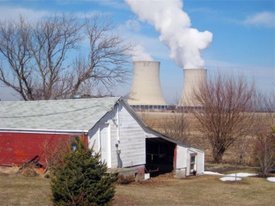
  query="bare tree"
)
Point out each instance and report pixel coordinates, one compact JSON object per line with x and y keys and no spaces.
{"x":107,"y":57}
{"x":33,"y":55}
{"x":35,"y":63}
{"x":225,"y":114}
{"x":51,"y":42}
{"x":175,"y":126}
{"x":54,"y":151}
{"x":264,"y":132}
{"x":16,"y":57}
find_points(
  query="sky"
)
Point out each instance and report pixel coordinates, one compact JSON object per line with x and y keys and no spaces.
{"x":242,"y":35}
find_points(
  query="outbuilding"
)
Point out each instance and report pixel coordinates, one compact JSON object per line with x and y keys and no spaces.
{"x":31,"y":129}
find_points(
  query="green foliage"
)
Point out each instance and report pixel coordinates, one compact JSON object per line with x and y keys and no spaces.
{"x":82,"y":180}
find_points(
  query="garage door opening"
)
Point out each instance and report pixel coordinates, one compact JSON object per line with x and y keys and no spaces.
{"x":159,"y":156}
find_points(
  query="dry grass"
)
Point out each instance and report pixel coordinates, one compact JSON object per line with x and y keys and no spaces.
{"x":204,"y":190}
{"x":20,"y":190}
{"x":163,"y":190}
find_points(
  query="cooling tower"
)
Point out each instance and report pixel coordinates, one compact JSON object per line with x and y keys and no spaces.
{"x":146,"y":89}
{"x":193,"y":79}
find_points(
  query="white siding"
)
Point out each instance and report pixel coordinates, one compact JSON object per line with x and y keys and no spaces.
{"x":200,"y":164}
{"x":184,"y":157}
{"x":99,"y":141}
{"x":105,"y":146}
{"x":131,"y":140}
{"x":181,"y":162}
{"x":114,"y":141}
{"x":199,"y":160}
{"x":94,"y":141}
{"x":124,"y":131}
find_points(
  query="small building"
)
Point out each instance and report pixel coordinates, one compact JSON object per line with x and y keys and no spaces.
{"x":31,"y":129}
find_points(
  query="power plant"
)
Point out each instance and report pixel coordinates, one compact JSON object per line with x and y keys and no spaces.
{"x":185,"y":44}
{"x":146,"y":88}
{"x":193,"y":79}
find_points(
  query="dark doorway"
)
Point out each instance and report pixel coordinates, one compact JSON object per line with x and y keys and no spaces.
{"x":159,"y":156}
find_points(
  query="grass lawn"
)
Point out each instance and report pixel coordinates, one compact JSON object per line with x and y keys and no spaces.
{"x":20,"y":190}
{"x":202,"y":190}
{"x":163,"y":190}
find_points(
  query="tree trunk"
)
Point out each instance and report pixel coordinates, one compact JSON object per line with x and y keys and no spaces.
{"x":218,"y":154}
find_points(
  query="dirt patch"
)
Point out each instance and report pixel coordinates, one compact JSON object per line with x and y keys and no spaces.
{"x":28,"y":172}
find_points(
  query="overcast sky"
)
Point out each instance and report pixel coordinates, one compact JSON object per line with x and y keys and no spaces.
{"x":243,"y":38}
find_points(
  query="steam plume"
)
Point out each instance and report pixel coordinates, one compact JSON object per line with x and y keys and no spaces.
{"x":175,"y":30}
{"x":138,"y":53}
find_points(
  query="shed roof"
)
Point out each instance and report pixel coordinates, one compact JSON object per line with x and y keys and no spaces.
{"x":55,"y":115}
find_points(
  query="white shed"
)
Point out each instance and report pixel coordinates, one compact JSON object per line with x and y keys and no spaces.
{"x":125,"y":141}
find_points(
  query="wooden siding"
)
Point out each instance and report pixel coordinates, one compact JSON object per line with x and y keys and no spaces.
{"x":131,"y":140}
{"x":199,"y":161}
{"x":126,"y":133}
{"x":181,"y":157}
{"x":98,"y":140}
{"x":17,"y":148}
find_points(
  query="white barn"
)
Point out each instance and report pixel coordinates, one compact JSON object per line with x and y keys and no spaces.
{"x":125,"y":141}
{"x":109,"y":125}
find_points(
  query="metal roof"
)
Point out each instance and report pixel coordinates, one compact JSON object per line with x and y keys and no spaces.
{"x":54,"y":115}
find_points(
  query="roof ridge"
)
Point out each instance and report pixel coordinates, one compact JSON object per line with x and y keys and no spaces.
{"x":58,"y":100}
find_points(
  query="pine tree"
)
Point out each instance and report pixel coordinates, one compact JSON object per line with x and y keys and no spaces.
{"x":82,"y":180}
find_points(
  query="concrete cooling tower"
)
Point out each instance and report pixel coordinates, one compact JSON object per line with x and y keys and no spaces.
{"x":146,"y":89}
{"x":193,"y":79}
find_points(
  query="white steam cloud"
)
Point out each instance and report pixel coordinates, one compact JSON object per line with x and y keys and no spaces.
{"x":138,"y":53}
{"x":175,"y":30}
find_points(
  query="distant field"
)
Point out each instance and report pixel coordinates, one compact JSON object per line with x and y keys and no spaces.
{"x":164,"y":190}
{"x":156,"y":120}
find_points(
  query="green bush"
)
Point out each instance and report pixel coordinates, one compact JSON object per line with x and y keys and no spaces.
{"x":82,"y":180}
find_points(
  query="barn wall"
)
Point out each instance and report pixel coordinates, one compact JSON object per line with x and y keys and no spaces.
{"x":18,"y":148}
{"x":181,"y":156}
{"x":100,"y":138}
{"x":199,"y":161}
{"x":131,"y":140}
{"x":124,"y":132}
